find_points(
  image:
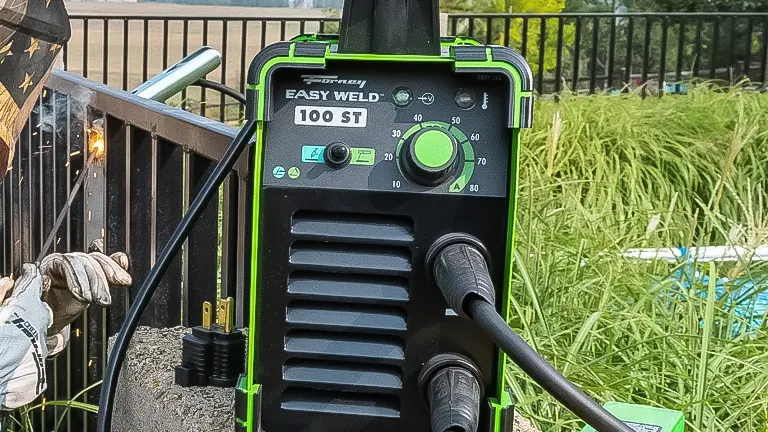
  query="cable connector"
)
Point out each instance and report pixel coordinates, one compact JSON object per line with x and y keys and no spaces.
{"x":196,"y":353}
{"x":228,"y":352}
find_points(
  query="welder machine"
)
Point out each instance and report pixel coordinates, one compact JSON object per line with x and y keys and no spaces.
{"x":384,"y":197}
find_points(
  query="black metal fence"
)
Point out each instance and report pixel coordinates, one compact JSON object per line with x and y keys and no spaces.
{"x":157,"y":158}
{"x":603,"y":51}
{"x":123,"y":51}
{"x":579,"y":52}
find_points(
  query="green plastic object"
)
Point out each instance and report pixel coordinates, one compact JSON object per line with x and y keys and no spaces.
{"x":644,"y":418}
{"x":434,"y":149}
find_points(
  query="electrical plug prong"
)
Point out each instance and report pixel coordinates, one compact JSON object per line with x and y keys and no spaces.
{"x":207,"y":315}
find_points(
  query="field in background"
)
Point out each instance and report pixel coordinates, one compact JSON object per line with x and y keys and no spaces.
{"x":602,"y":174}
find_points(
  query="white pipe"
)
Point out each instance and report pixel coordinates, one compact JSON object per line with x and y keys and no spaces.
{"x":700,"y":254}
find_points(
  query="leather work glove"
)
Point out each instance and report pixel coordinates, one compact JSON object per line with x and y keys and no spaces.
{"x":35,"y":318}
{"x":24,"y":321}
{"x":79,"y":279}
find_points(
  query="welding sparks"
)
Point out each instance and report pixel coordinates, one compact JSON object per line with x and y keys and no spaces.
{"x":96,"y":143}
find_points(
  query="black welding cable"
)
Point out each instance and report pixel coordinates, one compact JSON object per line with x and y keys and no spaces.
{"x":213,"y":85}
{"x":207,"y":192}
{"x":485,"y":315}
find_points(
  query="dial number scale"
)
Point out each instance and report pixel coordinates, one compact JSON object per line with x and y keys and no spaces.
{"x":432,"y":152}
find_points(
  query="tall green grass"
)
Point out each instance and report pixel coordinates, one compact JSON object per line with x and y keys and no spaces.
{"x":601,"y":174}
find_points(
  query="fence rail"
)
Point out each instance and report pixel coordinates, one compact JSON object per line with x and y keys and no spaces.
{"x":156,"y":160}
{"x":568,"y":51}
{"x":603,"y":51}
{"x":123,"y":51}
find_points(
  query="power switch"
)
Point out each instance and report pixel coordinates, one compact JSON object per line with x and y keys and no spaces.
{"x":337,"y":155}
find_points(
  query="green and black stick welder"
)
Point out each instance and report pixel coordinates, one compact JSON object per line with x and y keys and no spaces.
{"x":385,"y":181}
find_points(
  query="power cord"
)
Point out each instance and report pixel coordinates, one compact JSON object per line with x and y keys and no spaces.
{"x":460,"y":269}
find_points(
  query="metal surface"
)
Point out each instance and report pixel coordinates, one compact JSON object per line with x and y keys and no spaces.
{"x":180,"y":75}
{"x":63,"y":214}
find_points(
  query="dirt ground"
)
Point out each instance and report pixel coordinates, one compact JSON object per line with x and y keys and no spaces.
{"x":124,"y":63}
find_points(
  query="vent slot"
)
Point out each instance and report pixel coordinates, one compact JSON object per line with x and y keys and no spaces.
{"x":352,"y":227}
{"x":345,"y":317}
{"x":350,"y":346}
{"x":345,"y":403}
{"x":351,"y":258}
{"x":348,"y":288}
{"x":348,"y":375}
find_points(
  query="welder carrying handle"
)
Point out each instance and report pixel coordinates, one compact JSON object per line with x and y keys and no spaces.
{"x":460,"y":270}
{"x":171,"y":249}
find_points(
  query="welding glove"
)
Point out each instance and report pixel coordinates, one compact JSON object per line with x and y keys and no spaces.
{"x":24,"y":322}
{"x":77,"y":280}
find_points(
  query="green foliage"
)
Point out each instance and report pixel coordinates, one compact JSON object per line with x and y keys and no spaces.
{"x":603,"y":174}
{"x":517,"y":31}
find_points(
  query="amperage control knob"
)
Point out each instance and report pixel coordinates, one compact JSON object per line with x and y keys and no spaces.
{"x":429,"y":156}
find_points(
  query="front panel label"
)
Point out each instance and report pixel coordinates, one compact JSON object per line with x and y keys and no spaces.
{"x":330,"y":116}
{"x":378,"y":114}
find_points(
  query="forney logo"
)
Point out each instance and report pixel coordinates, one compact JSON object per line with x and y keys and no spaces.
{"x":323,"y":79}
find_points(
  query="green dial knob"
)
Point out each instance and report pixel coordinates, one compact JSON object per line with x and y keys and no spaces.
{"x":430,"y":156}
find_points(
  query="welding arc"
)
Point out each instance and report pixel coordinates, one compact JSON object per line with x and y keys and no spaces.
{"x":59,"y":220}
{"x":171,"y":249}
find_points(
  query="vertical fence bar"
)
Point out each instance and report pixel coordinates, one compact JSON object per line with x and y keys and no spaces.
{"x":697,"y":54}
{"x":764,"y":52}
{"x":453,"y":26}
{"x":506,"y":31}
{"x":263,"y":42}
{"x":646,"y":54}
{"x":732,"y":49}
{"x":715,"y":46}
{"x":576,"y":55}
{"x":559,"y":56}
{"x":243,"y":42}
{"x":185,"y":50}
{"x":611,"y":53}
{"x":168,"y":212}
{"x":593,"y":55}
{"x":282,"y":30}
{"x":524,"y":41}
{"x":663,"y":61}
{"x":165,"y":44}
{"x":145,"y":51}
{"x":202,"y":281}
{"x":302,"y":26}
{"x":630,"y":42}
{"x":94,"y":196}
{"x":229,"y":214}
{"x":140,"y":209}
{"x":542,"y":53}
{"x":86,"y":25}
{"x":222,"y":100}
{"x":748,"y":48}
{"x":680,"y":50}
{"x":118,"y":178}
{"x":125,"y":54}
{"x":48,"y":200}
{"x":471,"y":28}
{"x":488,"y":25}
{"x":105,"y":53}
{"x":203,"y":100}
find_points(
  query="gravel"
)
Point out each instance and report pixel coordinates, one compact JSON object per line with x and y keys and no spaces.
{"x":149,"y":400}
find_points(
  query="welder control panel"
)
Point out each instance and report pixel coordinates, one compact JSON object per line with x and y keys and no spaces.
{"x":395,"y":129}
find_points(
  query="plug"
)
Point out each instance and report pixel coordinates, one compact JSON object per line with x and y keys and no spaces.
{"x":228,"y":353}
{"x":196,"y":353}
